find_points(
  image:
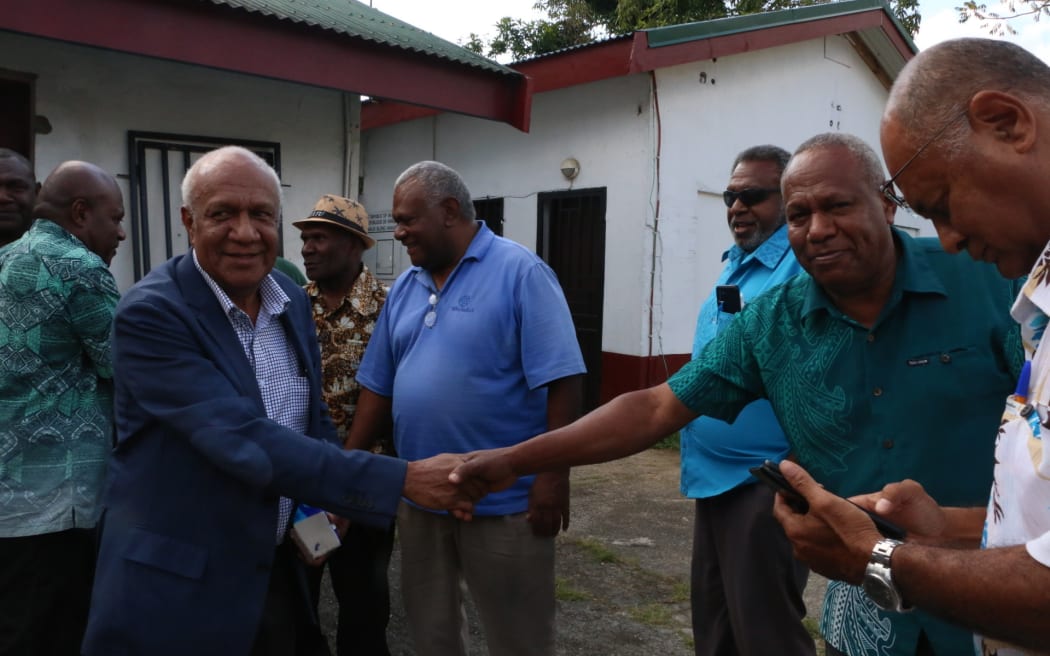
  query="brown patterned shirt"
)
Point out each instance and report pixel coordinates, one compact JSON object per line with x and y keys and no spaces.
{"x":343,"y":334}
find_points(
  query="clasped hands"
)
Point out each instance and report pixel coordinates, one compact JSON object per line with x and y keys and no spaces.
{"x":454,"y":482}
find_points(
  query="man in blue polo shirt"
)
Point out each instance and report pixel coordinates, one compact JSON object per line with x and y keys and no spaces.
{"x":743,"y":573}
{"x":475,"y":348}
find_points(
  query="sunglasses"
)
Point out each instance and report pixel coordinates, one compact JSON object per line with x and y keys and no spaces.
{"x":887,"y":187}
{"x":748,"y":197}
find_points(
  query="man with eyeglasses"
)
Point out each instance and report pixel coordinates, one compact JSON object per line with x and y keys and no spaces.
{"x":888,"y":359}
{"x":743,"y":574}
{"x":475,"y":348}
{"x":966,"y":132}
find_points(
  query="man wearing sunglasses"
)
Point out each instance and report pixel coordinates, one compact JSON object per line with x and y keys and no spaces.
{"x":966,"y":133}
{"x":743,"y":574}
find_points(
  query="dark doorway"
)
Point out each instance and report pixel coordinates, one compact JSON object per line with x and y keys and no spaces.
{"x":490,"y":210}
{"x":17,"y":112}
{"x":571,"y":239}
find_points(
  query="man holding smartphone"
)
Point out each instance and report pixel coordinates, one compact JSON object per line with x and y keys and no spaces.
{"x":743,"y":574}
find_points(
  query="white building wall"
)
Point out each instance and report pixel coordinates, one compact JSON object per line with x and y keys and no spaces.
{"x":708,"y":112}
{"x":606,"y":125}
{"x":712,"y":110}
{"x":93,"y":97}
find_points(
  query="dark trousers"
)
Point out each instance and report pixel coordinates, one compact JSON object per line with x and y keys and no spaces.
{"x":746,"y":585}
{"x":289,"y":623}
{"x":45,"y":591}
{"x":358,"y":570}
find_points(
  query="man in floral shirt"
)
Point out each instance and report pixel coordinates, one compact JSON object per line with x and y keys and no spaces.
{"x":346,"y":299}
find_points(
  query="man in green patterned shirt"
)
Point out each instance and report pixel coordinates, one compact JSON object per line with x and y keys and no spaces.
{"x":57,"y":300}
{"x":888,"y":359}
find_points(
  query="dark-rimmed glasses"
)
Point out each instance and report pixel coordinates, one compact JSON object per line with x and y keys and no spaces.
{"x":887,"y":187}
{"x":748,"y":197}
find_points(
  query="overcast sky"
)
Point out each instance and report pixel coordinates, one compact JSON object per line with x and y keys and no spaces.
{"x":454,"y":20}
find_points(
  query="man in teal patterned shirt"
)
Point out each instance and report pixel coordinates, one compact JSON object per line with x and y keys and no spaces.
{"x":888,"y":360}
{"x":57,"y":299}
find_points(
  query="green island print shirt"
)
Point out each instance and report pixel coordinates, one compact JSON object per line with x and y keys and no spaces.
{"x":919,"y":395}
{"x":57,"y":301}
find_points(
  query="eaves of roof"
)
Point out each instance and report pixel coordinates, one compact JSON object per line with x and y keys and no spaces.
{"x":356,"y":19}
{"x":328,"y":45}
{"x":870,"y":25}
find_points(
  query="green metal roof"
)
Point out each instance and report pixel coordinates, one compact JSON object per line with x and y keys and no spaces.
{"x":675,"y":34}
{"x":354,"y":19}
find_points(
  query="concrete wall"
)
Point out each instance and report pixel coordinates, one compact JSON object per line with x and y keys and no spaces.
{"x":93,"y":97}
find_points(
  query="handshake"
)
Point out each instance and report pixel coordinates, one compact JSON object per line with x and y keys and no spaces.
{"x":454,"y":482}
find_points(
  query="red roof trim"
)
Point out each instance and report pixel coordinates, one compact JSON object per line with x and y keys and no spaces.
{"x":627,"y":56}
{"x":225,"y":38}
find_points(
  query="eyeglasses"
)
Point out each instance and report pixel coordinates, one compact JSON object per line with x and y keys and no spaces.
{"x":431,"y":316}
{"x":748,"y":197}
{"x":887,"y":187}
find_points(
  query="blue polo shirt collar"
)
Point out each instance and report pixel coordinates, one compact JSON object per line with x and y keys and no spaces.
{"x":769,"y":253}
{"x":913,"y":275}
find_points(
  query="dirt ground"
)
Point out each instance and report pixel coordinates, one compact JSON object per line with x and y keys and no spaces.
{"x":622,"y":568}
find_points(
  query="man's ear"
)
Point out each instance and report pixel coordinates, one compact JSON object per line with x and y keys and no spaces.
{"x":78,"y":212}
{"x":451,"y":208}
{"x":1005,"y":118}
{"x":187,"y":221}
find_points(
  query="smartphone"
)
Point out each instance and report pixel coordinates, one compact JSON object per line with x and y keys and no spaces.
{"x":769,"y":473}
{"x":728,"y":298}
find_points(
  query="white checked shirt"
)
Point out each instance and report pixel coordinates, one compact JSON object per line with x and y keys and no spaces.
{"x":283,"y":384}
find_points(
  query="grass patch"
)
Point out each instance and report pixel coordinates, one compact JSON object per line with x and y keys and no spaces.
{"x":812,"y":625}
{"x":680,"y":592}
{"x":671,"y":442}
{"x":652,"y":615}
{"x":563,"y":591}
{"x":597,"y":551}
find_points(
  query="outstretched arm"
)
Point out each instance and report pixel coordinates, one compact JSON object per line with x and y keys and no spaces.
{"x":626,"y":425}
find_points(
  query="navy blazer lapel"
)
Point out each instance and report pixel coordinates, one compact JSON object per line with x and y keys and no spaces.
{"x":216,"y":326}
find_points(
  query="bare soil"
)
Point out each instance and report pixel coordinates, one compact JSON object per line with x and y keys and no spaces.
{"x":622,"y":567}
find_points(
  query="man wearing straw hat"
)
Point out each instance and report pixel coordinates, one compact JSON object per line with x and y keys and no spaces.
{"x":346,"y":299}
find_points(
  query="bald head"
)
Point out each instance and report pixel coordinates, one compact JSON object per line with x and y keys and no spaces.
{"x":87,"y":202}
{"x":966,"y":137}
{"x":939,"y":82}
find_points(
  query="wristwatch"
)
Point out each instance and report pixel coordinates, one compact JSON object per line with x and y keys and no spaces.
{"x":878,"y":580}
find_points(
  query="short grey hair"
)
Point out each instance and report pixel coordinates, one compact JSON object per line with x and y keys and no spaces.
{"x":213,"y":159}
{"x":871,"y":165}
{"x":438,"y":182}
{"x":763,"y":153}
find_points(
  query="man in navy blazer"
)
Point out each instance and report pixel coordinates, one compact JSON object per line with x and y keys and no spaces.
{"x":219,"y":419}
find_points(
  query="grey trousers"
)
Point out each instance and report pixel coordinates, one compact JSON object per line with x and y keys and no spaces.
{"x":508,"y":571}
{"x":746,"y":587}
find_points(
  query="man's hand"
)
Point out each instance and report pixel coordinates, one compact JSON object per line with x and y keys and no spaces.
{"x":428,"y":483}
{"x":835,"y":538}
{"x":907,"y":505}
{"x":549,"y":504}
{"x":485,"y":471}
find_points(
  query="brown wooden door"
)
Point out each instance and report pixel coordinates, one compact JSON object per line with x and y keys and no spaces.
{"x":571,"y":239}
